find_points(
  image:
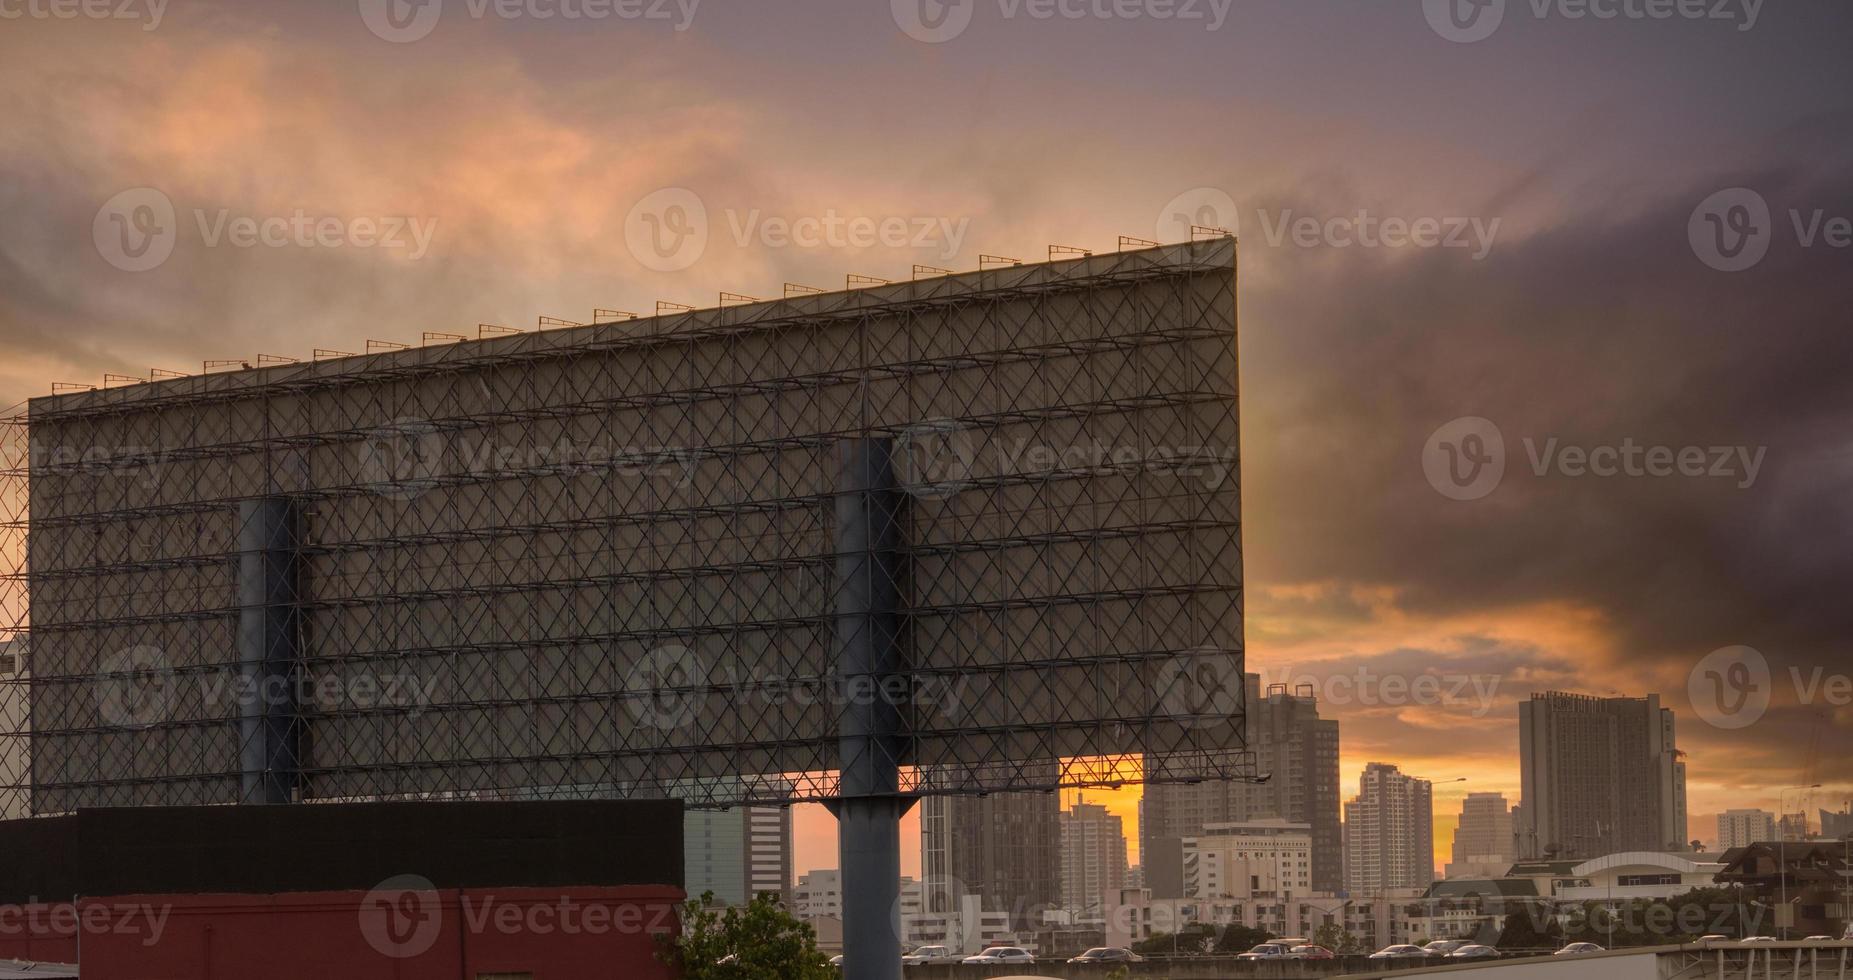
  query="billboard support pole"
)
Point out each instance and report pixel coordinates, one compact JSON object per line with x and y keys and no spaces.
{"x":268,"y":722}
{"x":873,"y":689}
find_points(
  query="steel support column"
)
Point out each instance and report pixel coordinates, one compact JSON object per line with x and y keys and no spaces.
{"x":873,"y":688}
{"x":269,"y":721}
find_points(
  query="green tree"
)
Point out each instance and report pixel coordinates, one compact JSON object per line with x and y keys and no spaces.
{"x":1193,"y":938}
{"x":1334,"y":937}
{"x":759,"y":942}
{"x":1530,"y":928}
{"x":1241,"y":939}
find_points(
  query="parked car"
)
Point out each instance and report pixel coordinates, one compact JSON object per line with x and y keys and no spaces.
{"x":1400,"y":951}
{"x":1108,"y":954}
{"x":1710,"y":938}
{"x":1576,"y":949}
{"x":1474,"y":951}
{"x":1819,"y":939}
{"x":930,"y":954}
{"x":837,"y":961}
{"x":1002,"y":954}
{"x":1310,"y":952}
{"x":1758,"y":939}
{"x":1443,"y":947}
{"x":1266,"y":951}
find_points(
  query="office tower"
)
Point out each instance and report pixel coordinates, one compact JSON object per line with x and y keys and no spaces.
{"x":1297,"y":751}
{"x":1792,"y":826}
{"x":1741,"y":828}
{"x":738,"y":853}
{"x":1599,"y":776}
{"x":1093,"y":856}
{"x":1256,"y":859}
{"x":1004,"y":849}
{"x":1483,"y":843}
{"x":818,"y":895}
{"x":1389,"y":832}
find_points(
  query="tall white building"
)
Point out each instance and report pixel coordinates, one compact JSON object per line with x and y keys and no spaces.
{"x":1483,"y":843}
{"x":1251,"y":859}
{"x":1740,"y":828}
{"x":737,"y":853}
{"x":1389,"y":832}
{"x":1093,"y":857}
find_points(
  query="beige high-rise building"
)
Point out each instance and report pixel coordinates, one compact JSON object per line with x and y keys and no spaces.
{"x":1740,"y":828}
{"x":1260,"y":858}
{"x":1093,"y":856}
{"x":1600,"y":776}
{"x":1389,"y":832}
{"x":1298,"y":752}
{"x":1483,"y":843}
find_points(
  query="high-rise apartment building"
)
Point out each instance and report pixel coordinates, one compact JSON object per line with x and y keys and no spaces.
{"x":1003,"y":849}
{"x":1298,"y":753}
{"x":1483,"y":843}
{"x":1093,"y":856}
{"x":1599,"y":776}
{"x":1837,"y":826}
{"x":1389,"y":832}
{"x":738,"y":853}
{"x":1741,"y":828}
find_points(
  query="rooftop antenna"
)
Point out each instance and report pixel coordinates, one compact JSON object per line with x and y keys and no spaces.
{"x":375,"y":346}
{"x":931,"y":271}
{"x":607,"y":316}
{"x":802,"y":290}
{"x":1055,"y":250}
{"x":853,"y":280}
{"x":986,"y":261}
{"x":1128,"y":240}
{"x":324,"y":354}
{"x":457,"y":337}
{"x":665,"y":306}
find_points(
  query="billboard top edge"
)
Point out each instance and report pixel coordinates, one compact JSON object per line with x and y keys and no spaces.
{"x":1182,"y":258}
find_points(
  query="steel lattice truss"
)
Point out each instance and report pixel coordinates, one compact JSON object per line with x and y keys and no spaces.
{"x":599,"y":561}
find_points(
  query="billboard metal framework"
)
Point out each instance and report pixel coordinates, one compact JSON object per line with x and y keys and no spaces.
{"x":624,"y":559}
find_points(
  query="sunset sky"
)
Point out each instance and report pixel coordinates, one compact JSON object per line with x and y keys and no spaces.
{"x":1568,"y":153}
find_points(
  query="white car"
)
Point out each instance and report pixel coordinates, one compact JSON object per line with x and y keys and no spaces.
{"x":1758,"y":939}
{"x":929,"y":954}
{"x":1577,"y":949}
{"x":1002,"y":954}
{"x":1444,"y":947}
{"x":1474,"y":951}
{"x":1267,"y":951}
{"x":1401,"y":951}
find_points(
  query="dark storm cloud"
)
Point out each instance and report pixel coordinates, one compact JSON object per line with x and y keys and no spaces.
{"x":1602,"y":329}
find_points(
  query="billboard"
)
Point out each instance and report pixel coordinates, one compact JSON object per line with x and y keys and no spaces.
{"x":603,"y":561}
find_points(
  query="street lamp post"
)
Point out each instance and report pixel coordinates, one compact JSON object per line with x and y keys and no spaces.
{"x":1782,"y":854}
